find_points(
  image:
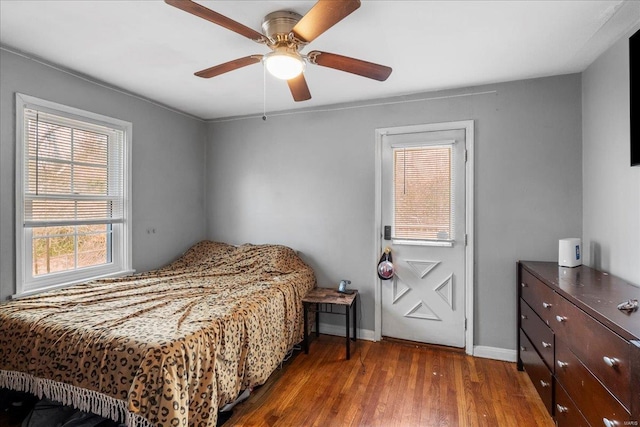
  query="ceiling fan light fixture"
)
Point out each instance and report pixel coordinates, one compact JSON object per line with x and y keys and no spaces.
{"x":284,"y":64}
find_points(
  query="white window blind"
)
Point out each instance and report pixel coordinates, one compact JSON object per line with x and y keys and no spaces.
{"x":73,"y":172}
{"x":423,"y":193}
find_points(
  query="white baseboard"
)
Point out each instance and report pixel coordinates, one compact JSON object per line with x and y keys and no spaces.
{"x":482,"y":351}
{"x":496,"y":353}
{"x":339,"y":330}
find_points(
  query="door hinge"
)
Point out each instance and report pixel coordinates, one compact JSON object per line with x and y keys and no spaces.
{"x":466,"y":155}
{"x":466,"y":239}
{"x":465,"y":323}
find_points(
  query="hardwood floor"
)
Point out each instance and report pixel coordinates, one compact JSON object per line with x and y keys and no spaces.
{"x":392,"y":384}
{"x":388,"y":384}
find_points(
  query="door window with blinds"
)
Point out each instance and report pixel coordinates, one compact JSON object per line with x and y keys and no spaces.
{"x":73,"y":211}
{"x":423,"y":196}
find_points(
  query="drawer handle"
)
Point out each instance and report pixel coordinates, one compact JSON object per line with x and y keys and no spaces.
{"x":561,"y":319}
{"x":523,"y":317}
{"x":544,"y":383}
{"x":611,"y":361}
{"x":608,"y":423}
{"x":562,"y":409}
{"x":546,"y":344}
{"x":524,"y":285}
{"x":562,"y":364}
{"x":547,"y":305}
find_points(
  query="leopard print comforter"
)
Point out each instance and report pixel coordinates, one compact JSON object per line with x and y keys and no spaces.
{"x":163,"y":348}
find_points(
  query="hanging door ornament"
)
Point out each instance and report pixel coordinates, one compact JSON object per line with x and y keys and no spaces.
{"x":385,"y":265}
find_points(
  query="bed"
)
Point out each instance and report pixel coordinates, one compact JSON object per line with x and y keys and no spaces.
{"x":167,"y":347}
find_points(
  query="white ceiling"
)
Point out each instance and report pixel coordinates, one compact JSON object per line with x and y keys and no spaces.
{"x":152,"y":49}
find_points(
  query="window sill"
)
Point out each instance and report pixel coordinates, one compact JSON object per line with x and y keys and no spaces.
{"x":438,"y":243}
{"x":67,"y":284}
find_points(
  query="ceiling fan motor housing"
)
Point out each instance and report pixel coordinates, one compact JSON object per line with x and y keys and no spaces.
{"x":277,"y":25}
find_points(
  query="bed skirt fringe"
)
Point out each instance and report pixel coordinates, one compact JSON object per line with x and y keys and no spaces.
{"x":67,"y":394}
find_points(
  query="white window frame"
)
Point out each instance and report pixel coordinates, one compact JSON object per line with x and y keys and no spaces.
{"x":121,"y":241}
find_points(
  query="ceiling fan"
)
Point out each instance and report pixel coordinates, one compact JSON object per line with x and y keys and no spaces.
{"x":286,"y":33}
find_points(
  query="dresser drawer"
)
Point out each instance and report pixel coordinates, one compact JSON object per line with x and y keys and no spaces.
{"x":565,"y":410}
{"x":539,"y":333}
{"x":537,"y":370}
{"x":603,"y":352}
{"x":591,"y":398}
{"x":635,"y":379}
{"x":539,"y":296}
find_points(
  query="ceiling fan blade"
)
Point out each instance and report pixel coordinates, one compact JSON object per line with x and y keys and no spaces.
{"x":229,"y":66}
{"x":208,"y":14}
{"x":299,"y":88}
{"x":350,"y":65}
{"x":322,"y":16}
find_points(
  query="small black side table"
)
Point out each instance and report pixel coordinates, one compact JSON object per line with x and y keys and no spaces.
{"x":322,"y":300}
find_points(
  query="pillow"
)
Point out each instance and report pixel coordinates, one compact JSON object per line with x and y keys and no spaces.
{"x":269,"y":258}
{"x":204,"y":252}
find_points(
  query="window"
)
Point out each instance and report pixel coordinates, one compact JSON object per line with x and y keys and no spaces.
{"x":72,"y":187}
{"x":423,"y":193}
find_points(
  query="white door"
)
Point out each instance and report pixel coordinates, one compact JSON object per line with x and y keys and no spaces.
{"x":423,"y":202}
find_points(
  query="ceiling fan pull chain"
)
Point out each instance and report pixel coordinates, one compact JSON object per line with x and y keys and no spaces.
{"x":264,"y":93}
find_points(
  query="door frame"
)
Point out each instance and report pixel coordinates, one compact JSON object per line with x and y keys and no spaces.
{"x":468,"y":126}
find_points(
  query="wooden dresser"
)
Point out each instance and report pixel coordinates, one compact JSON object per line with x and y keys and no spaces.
{"x":581,"y":353}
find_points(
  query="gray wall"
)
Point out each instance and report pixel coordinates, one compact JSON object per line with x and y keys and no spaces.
{"x":168,"y":162}
{"x":307,"y":180}
{"x":611,"y":201}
